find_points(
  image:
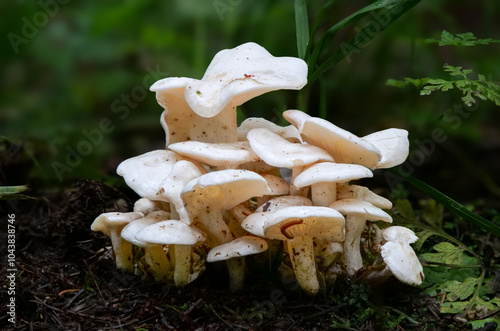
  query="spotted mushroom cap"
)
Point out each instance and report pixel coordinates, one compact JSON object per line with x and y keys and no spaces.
{"x":243,"y":246}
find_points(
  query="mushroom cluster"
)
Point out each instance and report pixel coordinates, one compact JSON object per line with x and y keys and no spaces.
{"x":220,"y":192}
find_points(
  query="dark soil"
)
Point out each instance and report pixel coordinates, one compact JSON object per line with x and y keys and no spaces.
{"x":66,"y":280}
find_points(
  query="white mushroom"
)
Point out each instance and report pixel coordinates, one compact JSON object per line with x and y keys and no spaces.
{"x":171,"y":187}
{"x":145,"y":206}
{"x":344,"y":146}
{"x":393,"y":144}
{"x":111,"y":224}
{"x":289,"y":132}
{"x":183,"y":237}
{"x":298,"y":225}
{"x":278,"y":152}
{"x":323,"y":178}
{"x":400,"y":257}
{"x":364,"y":194}
{"x":356,"y":214}
{"x":145,"y":172}
{"x":208,"y":195}
{"x":277,"y":186}
{"x":155,"y":255}
{"x":233,"y":252}
{"x":219,"y":155}
{"x":205,"y":110}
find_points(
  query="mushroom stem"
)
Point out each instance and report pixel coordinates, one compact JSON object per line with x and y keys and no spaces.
{"x":352,"y":254}
{"x":236,"y":268}
{"x":214,"y":226}
{"x":301,"y":253}
{"x":157,"y":260}
{"x":122,"y":250}
{"x":294,"y":190}
{"x":182,"y":264}
{"x":324,"y":193}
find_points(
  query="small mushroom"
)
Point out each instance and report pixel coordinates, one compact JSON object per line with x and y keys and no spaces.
{"x":144,"y":173}
{"x":298,"y":225}
{"x":183,"y":237}
{"x":323,"y":178}
{"x":233,"y":252}
{"x":171,"y":187}
{"x":289,"y":132}
{"x":344,"y":146}
{"x":400,"y":257}
{"x":277,"y":186}
{"x":155,"y":255}
{"x":393,"y":145}
{"x":111,"y":224}
{"x":146,"y":206}
{"x":208,"y":195}
{"x":356,"y":214}
{"x":219,"y":155}
{"x":364,"y":194}
{"x":278,"y":152}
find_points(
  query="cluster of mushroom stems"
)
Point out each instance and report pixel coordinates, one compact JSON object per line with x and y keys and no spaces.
{"x":220,"y":192}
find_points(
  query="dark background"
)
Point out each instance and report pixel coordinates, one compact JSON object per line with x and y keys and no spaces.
{"x":82,"y":63}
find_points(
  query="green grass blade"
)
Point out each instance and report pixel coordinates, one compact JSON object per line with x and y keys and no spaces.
{"x":394,"y":9}
{"x":301,"y":27}
{"x":451,"y":204}
{"x":13,"y":189}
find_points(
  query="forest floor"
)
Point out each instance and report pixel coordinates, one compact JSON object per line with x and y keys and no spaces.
{"x":66,"y":280}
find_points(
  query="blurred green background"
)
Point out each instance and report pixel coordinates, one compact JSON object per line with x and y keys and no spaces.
{"x":70,"y":68}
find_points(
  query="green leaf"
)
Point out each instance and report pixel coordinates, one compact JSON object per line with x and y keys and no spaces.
{"x":462,"y":39}
{"x":446,"y":253}
{"x":461,"y":290}
{"x":392,"y":9}
{"x":301,"y":27}
{"x":451,"y":204}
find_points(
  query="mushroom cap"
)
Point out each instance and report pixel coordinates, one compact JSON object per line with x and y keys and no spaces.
{"x":331,"y":172}
{"x":282,"y":202}
{"x":215,"y":154}
{"x":130,"y":230}
{"x":364,"y":194}
{"x":224,"y":188}
{"x":278,"y":152}
{"x":313,"y":221}
{"x":254,"y":223}
{"x":144,"y":173}
{"x":361,"y":209}
{"x":104,"y":222}
{"x":237,"y":75}
{"x":399,"y":234}
{"x":289,"y":132}
{"x":145,"y":206}
{"x":170,"y":232}
{"x":401,"y":259}
{"x":289,"y":222}
{"x":296,"y":117}
{"x":344,"y":146}
{"x":243,"y":246}
{"x":277,"y":185}
{"x":172,"y":185}
{"x":393,"y":144}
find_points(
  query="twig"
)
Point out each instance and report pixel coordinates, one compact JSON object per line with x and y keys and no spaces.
{"x":232,"y":328}
{"x":95,"y":282}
